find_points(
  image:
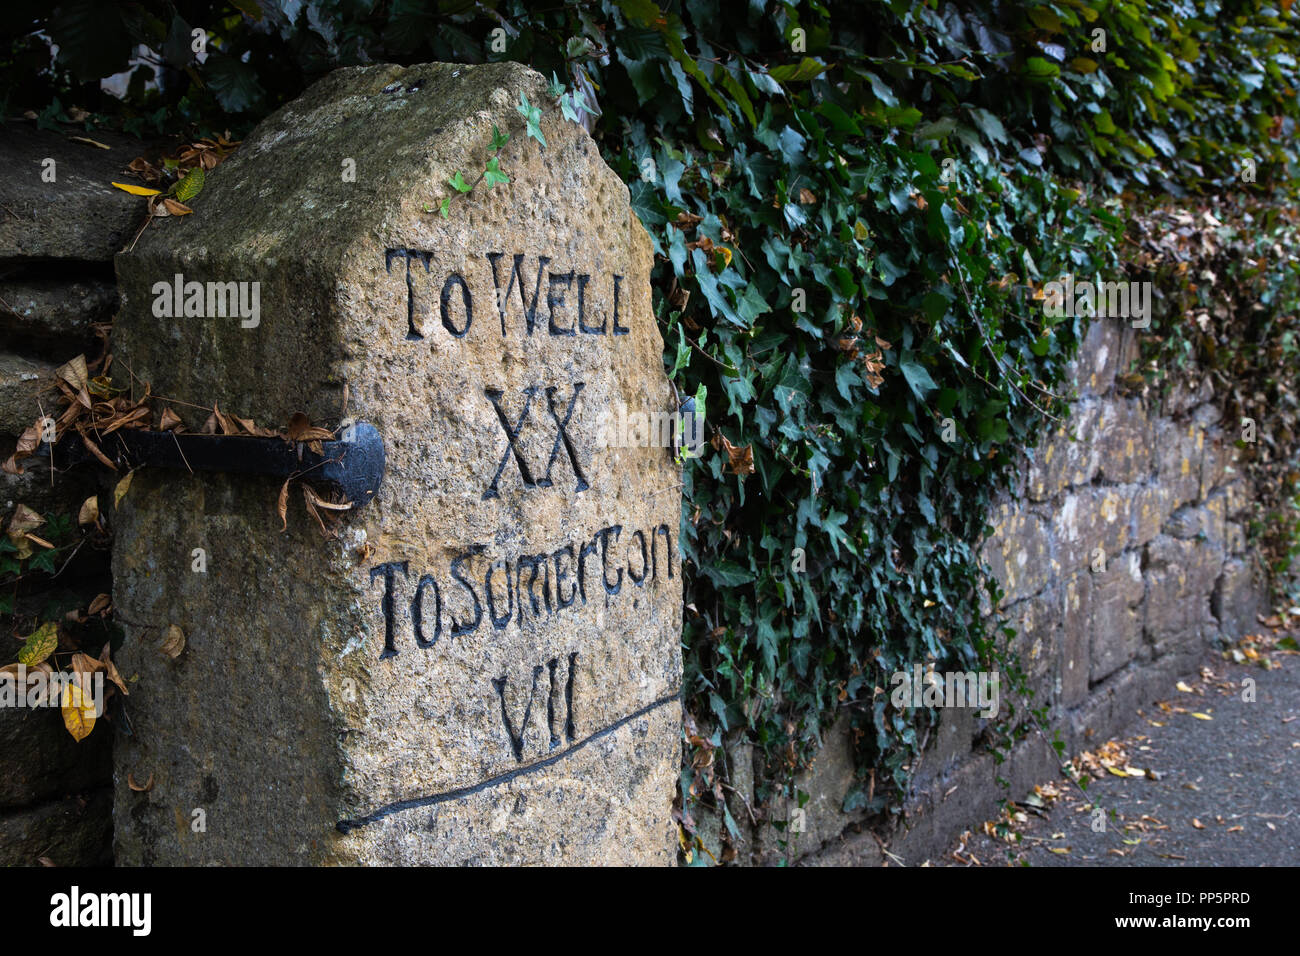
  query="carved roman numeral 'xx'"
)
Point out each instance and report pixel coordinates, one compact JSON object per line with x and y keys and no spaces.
{"x":562,"y":439}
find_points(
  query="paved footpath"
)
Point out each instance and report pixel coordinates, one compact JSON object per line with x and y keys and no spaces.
{"x":1195,"y":792}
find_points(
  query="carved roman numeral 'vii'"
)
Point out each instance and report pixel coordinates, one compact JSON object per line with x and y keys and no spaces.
{"x":562,"y":439}
{"x":516,"y":737}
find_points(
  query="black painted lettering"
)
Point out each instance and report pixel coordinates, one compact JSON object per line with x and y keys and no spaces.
{"x":494,"y":396}
{"x":562,"y":437}
{"x":453,"y":280}
{"x":516,"y":739}
{"x":618,"y":329}
{"x":582,"y":309}
{"x":604,"y":534}
{"x":408,"y":254}
{"x":587,"y":549}
{"x":668,"y":549}
{"x":552,"y":300}
{"x":516,"y":275}
{"x":389,"y":570}
{"x":457,"y":628}
{"x":417,"y":612}
{"x":560,"y":574}
{"x":639,"y":580}
{"x":499,"y":622}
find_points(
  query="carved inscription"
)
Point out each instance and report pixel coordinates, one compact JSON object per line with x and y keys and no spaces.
{"x":563,"y":299}
{"x":479,"y":592}
{"x":562,"y":437}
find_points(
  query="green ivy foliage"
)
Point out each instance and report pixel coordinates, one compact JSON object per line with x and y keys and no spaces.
{"x":852,"y":206}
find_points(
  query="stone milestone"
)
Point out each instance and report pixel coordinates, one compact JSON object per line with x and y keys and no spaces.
{"x":483,"y":664}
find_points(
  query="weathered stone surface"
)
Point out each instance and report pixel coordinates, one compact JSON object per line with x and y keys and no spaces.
{"x":1123,"y":441}
{"x":1236,"y":598}
{"x":52,"y":316}
{"x":39,"y":758}
{"x":1018,"y":552}
{"x":1076,"y":603}
{"x":1093,"y":372}
{"x":539,"y":722}
{"x":1090,"y":519}
{"x":79,"y":216}
{"x":827,"y":782}
{"x":1115,"y":621}
{"x":1179,"y":447}
{"x":1180,"y":578}
{"x":76,"y":831}
{"x":1068,"y":457}
{"x":21,"y":381}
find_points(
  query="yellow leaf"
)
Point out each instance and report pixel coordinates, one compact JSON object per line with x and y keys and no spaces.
{"x":137,"y":190}
{"x":1183,"y":687}
{"x":122,"y":488}
{"x":1117,"y":772}
{"x":1200,"y":716}
{"x":40,"y":644}
{"x":78,"y":711}
{"x":1059,"y":849}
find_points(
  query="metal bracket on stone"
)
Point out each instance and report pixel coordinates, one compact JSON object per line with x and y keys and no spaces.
{"x":355,"y":466}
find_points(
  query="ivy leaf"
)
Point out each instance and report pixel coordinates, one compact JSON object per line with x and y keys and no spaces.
{"x":191,"y":185}
{"x":458,"y":183}
{"x":233,"y":82}
{"x":493,"y":175}
{"x":532,"y":116}
{"x":917,"y":377}
{"x":40,"y":644}
{"x":499,"y":139}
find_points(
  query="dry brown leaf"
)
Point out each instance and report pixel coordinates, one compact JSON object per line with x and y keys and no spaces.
{"x":282,"y":506}
{"x":111,"y":670}
{"x":74,"y":372}
{"x":1198,"y":824}
{"x":94,"y":450}
{"x":176,"y":208}
{"x":739,"y":459}
{"x":89,"y":512}
{"x":170,"y":420}
{"x":174,"y":642}
{"x":100,"y":604}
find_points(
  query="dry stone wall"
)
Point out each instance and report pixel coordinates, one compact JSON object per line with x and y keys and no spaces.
{"x":1122,"y":555}
{"x":60,"y":225}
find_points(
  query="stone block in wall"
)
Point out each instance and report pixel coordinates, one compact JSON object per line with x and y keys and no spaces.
{"x":76,"y":831}
{"x":1180,"y":576}
{"x":1067,"y":457}
{"x":1115,"y":619}
{"x":1108,"y":709}
{"x":1076,"y":601}
{"x":21,"y":381}
{"x":827,"y":781}
{"x":1153,"y":503}
{"x":1239,"y":595}
{"x":1088,"y":519}
{"x":39,"y":759}
{"x":1179,"y":447}
{"x":1037,"y":621}
{"x":1093,"y":371}
{"x":52,"y":316}
{"x":1123,"y":440}
{"x":1018,"y":552}
{"x":80,"y":216}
